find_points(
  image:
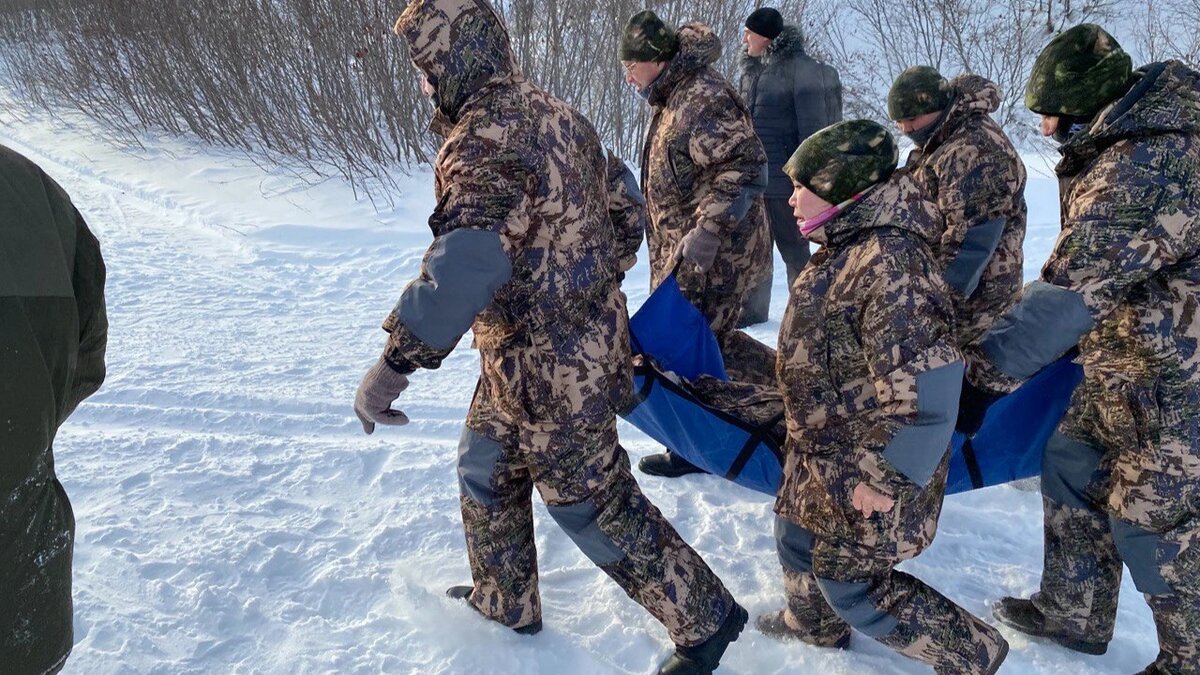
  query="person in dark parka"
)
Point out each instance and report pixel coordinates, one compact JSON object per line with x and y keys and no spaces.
{"x":790,"y":96}
{"x":53,"y":333}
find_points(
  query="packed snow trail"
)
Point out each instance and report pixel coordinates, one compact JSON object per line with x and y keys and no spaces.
{"x":232,"y":517}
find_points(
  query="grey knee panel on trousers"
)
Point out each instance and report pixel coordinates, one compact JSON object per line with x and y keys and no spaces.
{"x":1144,"y":553}
{"x":851,"y":600}
{"x":795,"y":545}
{"x":579,"y":522}
{"x":1067,"y":468}
{"x":477,"y":459}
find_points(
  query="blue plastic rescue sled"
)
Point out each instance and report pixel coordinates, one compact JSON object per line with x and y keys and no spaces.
{"x":677,"y":348}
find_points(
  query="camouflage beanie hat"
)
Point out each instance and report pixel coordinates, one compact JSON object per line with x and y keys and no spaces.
{"x":1078,"y":73}
{"x":648,"y":39}
{"x":917,"y":91}
{"x":844,"y":159}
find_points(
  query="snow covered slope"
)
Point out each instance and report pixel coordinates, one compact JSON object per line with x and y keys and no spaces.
{"x":233,"y":518}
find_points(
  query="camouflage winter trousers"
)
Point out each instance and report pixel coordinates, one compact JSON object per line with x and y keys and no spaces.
{"x":721,"y":301}
{"x":1118,"y":486}
{"x":583,"y":476}
{"x":832,"y":586}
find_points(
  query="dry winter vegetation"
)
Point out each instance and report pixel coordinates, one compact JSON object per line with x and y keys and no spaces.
{"x":324,"y":85}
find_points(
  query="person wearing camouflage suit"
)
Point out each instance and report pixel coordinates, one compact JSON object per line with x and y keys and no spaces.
{"x":971,"y":171}
{"x":1121,"y":479}
{"x":870,"y":376}
{"x":528,"y":250}
{"x":703,"y":173}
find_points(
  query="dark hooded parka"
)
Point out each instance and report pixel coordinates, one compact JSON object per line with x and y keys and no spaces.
{"x":53,"y":332}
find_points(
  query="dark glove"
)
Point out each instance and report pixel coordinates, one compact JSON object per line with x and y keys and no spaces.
{"x":698,"y":247}
{"x":973,"y":406}
{"x":373,"y":402}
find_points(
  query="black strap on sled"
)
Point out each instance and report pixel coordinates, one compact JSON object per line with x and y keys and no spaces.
{"x":751,"y":445}
{"x":972,"y":462}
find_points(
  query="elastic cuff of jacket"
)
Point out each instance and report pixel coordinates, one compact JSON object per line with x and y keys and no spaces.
{"x":400,"y":356}
{"x":399,"y":364}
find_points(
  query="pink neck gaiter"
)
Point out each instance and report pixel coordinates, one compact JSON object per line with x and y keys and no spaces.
{"x":817,"y":222}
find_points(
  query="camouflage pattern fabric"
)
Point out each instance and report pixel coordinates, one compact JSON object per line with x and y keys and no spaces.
{"x":917,"y":91}
{"x":866,"y":319}
{"x":1081,"y":579}
{"x":808,"y":613}
{"x":867,"y":316}
{"x":579,"y":464}
{"x":1127,"y":255}
{"x":843,"y":159}
{"x":754,"y":403}
{"x":553,"y":340}
{"x":924,"y":624}
{"x":626,"y":211}
{"x":1129,"y":246}
{"x":700,"y":164}
{"x":1078,"y":73}
{"x":647,"y":39}
{"x":934,"y":630}
{"x":971,"y":171}
{"x":1081,"y":574}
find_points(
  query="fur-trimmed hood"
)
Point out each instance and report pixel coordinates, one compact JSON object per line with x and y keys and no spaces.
{"x":789,"y":44}
{"x":699,"y":48}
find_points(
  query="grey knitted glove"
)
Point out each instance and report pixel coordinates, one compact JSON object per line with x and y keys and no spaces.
{"x":698,"y":247}
{"x":373,"y":402}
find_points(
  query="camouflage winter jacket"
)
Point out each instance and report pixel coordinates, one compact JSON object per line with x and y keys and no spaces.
{"x":53,"y":334}
{"x":703,"y":166}
{"x":971,"y":171}
{"x":870,"y":373}
{"x":626,"y":210}
{"x":524,"y":250}
{"x":1123,"y":282}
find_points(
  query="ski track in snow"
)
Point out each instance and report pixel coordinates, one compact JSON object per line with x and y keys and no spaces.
{"x":232,"y":518}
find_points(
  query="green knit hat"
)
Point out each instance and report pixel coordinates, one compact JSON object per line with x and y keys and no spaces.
{"x":844,"y":159}
{"x":1078,"y":73}
{"x":648,"y":39}
{"x":917,"y":91}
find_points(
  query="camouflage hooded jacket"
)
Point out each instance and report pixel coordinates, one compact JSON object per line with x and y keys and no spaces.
{"x":971,"y":171}
{"x":870,"y":373}
{"x":524,"y":250}
{"x":1123,"y":282}
{"x":703,"y":166}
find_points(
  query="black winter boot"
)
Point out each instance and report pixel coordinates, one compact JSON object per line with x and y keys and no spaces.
{"x":667,"y":465}
{"x":704,"y":658}
{"x":1021,"y":614}
{"x":464,"y":593}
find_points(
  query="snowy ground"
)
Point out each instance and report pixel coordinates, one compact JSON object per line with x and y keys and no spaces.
{"x":232,"y":517}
